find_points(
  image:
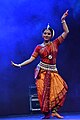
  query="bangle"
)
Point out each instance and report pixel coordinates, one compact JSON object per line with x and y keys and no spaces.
{"x":20,"y":65}
{"x":63,"y":21}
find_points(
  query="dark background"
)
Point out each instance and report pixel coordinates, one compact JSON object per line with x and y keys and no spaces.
{"x":21,"y":23}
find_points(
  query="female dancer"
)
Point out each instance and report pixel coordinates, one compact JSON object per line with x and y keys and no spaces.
{"x":51,"y":88}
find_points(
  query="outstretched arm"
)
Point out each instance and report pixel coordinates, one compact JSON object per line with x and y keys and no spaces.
{"x":23,"y":63}
{"x":65,"y":27}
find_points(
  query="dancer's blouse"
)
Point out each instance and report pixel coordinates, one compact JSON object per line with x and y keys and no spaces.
{"x":48,"y":53}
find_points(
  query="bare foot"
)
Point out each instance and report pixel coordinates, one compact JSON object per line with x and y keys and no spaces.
{"x":56,"y":115}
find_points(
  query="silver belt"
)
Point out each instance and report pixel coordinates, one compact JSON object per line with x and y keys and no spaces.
{"x":47,"y":66}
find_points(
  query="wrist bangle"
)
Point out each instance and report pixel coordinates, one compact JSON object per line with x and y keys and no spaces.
{"x":63,"y":21}
{"x":20,"y":65}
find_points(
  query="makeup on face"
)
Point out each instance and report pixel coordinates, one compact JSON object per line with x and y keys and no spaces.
{"x":47,"y":35}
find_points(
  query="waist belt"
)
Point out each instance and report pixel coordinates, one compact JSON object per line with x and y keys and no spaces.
{"x":47,"y":66}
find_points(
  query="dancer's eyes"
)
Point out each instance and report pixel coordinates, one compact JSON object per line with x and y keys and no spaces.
{"x":47,"y":33}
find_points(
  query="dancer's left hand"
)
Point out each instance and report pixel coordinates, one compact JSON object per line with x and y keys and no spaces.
{"x":64,"y":15}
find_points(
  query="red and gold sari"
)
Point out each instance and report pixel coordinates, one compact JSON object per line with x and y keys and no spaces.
{"x":51,"y":88}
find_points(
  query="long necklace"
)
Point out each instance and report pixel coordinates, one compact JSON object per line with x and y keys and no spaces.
{"x":49,"y":56}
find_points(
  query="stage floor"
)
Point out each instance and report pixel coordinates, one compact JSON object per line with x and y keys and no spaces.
{"x":70,"y":116}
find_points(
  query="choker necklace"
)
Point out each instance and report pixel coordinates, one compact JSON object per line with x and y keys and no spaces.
{"x":46,"y":43}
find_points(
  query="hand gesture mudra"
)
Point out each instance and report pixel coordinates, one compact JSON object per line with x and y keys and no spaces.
{"x":64,"y":15}
{"x":16,"y":65}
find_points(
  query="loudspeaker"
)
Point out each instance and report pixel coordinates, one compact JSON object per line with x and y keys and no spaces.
{"x":34,"y":102}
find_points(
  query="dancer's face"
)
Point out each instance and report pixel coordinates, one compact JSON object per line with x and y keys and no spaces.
{"x":47,"y":35}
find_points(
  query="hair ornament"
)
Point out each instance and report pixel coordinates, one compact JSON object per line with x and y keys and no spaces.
{"x":48,"y":26}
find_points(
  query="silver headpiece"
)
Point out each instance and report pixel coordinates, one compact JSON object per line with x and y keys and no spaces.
{"x":48,"y":26}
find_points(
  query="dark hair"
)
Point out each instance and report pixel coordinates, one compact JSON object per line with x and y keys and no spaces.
{"x":51,"y":30}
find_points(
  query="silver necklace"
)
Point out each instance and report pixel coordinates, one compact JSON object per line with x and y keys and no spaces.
{"x":49,"y":56}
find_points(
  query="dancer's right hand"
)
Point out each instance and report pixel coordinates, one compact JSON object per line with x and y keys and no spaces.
{"x":16,"y":65}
